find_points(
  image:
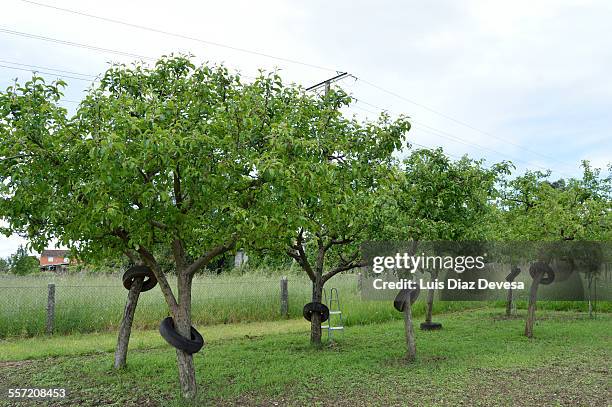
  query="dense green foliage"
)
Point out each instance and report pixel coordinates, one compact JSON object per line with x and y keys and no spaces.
{"x":179,"y":153}
{"x":533,"y":208}
{"x":435,"y":198}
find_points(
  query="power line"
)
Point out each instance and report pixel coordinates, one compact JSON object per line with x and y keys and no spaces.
{"x":462,"y":123}
{"x":177,"y":35}
{"x":74,"y":44}
{"x":45,"y":73}
{"x":410,"y":141}
{"x":36,"y":67}
{"x":96,"y":48}
{"x":289,"y":60}
{"x":448,"y":136}
{"x":457,"y":139}
{"x":441,"y":133}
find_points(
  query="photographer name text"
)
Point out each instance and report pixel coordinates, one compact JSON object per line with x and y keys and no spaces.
{"x":450,"y":284}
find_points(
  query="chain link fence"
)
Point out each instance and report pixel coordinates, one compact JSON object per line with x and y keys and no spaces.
{"x":32,"y":306}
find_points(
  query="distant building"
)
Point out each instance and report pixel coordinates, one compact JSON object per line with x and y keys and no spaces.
{"x":55,"y":260}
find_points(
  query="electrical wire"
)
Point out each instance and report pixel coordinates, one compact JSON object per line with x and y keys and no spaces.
{"x":460,"y":122}
{"x":73,"y":44}
{"x":100,"y":49}
{"x":446,"y":135}
{"x":289,"y":60}
{"x":432,"y":130}
{"x":48,"y":68}
{"x":182,"y":36}
{"x":452,"y":137}
{"x":44,"y":70}
{"x":45,"y":73}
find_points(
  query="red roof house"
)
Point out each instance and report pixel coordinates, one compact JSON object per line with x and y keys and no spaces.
{"x":55,"y":260}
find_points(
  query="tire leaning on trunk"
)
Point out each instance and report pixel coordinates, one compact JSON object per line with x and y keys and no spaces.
{"x":548,"y":275}
{"x":402,"y":296}
{"x":135,"y":272}
{"x":317,"y":307}
{"x":169,"y":333}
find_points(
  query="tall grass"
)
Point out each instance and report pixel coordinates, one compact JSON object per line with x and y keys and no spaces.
{"x":95,"y":303}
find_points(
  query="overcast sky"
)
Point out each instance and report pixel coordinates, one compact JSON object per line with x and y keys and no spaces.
{"x":526,"y":81}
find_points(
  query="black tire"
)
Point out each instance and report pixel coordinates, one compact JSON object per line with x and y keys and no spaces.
{"x":400,"y":299}
{"x":139,"y":272}
{"x":191,"y":346}
{"x":549,"y":275}
{"x":317,"y":307}
{"x":430,"y":326}
{"x":515,"y":272}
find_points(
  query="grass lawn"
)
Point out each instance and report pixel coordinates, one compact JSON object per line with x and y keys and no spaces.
{"x":478,"y":358}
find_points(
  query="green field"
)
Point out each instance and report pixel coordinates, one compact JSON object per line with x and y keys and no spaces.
{"x":479,"y":358}
{"x":95,"y":303}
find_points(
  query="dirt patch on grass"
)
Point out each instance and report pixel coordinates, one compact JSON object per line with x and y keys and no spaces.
{"x":576,"y":384}
{"x":16,"y":364}
{"x":558,"y":384}
{"x":507,"y":317}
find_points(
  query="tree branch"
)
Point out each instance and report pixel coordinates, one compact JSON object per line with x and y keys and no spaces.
{"x":16,"y":157}
{"x":334,"y":241}
{"x":149,"y":259}
{"x":131,"y":256}
{"x":178,"y":195}
{"x":351,"y":263}
{"x":180,"y":258}
{"x":320,"y":255}
{"x":211,"y":254}
{"x":147,"y":176}
{"x":296,"y":251}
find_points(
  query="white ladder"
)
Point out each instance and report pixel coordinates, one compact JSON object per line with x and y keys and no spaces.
{"x":334,"y":322}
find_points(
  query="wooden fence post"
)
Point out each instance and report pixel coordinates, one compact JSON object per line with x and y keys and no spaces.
{"x":50,"y":308}
{"x":284,"y":297}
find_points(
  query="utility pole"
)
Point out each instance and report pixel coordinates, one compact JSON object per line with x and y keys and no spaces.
{"x":327,"y":83}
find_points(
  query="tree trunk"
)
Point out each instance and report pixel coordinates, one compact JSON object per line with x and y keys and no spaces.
{"x":409,"y":328}
{"x":182,"y":323}
{"x":590,"y":279}
{"x":315,"y":321}
{"x":533,"y":296}
{"x":509,"y":303}
{"x":125,"y":328}
{"x":430,"y":297}
{"x":510,"y":294}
